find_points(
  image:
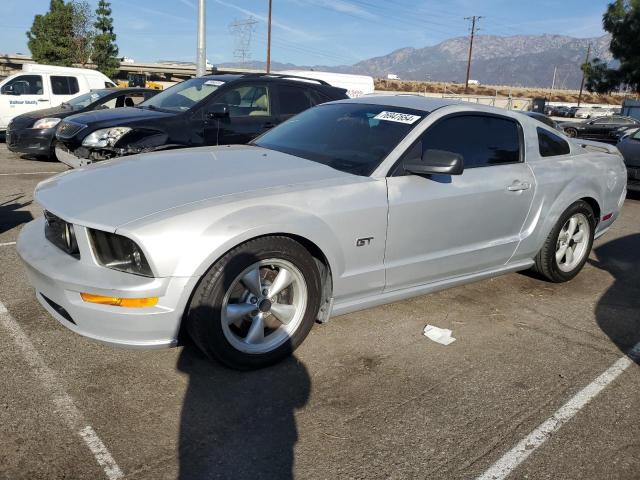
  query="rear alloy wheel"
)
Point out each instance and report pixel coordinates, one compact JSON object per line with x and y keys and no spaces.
{"x":256,"y":304}
{"x":568,"y":245}
{"x":571,"y":132}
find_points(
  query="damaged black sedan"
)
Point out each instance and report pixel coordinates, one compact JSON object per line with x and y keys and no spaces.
{"x":209,"y":110}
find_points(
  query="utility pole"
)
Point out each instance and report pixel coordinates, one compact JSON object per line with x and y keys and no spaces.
{"x":474,"y":20}
{"x":201,"y":56}
{"x":553,"y":82}
{"x":583,"y":75}
{"x":269,"y":39}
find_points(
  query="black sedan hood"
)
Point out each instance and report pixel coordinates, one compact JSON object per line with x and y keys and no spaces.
{"x":27,"y":119}
{"x":117,"y":116}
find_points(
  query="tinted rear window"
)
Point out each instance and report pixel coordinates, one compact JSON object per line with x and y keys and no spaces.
{"x":64,"y":85}
{"x":551,"y":145}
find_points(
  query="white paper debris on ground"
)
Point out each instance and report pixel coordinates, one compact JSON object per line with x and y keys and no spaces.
{"x":439,"y":335}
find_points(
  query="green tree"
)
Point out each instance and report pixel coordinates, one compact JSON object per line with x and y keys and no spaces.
{"x":83,"y":31}
{"x":622,"y":21}
{"x":105,"y":50}
{"x":51,"y":35}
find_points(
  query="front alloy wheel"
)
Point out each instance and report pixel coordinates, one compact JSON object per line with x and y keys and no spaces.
{"x":264,"y":306}
{"x":256,"y":304}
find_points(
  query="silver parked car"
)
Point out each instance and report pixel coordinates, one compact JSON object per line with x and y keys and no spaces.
{"x":348,"y":205}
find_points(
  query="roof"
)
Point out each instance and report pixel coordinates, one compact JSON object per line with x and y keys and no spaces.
{"x":224,"y":78}
{"x":125,"y":89}
{"x":416,"y":102}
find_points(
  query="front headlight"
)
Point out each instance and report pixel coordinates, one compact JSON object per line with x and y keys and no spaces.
{"x":119,"y":253}
{"x":107,"y":137}
{"x":46,"y":123}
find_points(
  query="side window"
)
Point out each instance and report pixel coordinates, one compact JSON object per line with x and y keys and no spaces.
{"x":64,"y":85}
{"x":24,"y":85}
{"x":482,"y":140}
{"x":294,"y":99}
{"x":551,"y":145}
{"x":247,"y":101}
{"x":318,"y":97}
{"x":636,"y":136}
{"x":602,"y":121}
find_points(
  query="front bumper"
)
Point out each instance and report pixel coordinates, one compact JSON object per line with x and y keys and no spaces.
{"x":59,"y":278}
{"x":34,"y":141}
{"x":65,"y":156}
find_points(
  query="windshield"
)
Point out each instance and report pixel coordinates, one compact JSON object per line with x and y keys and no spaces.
{"x":184,"y":95}
{"x":85,"y":99}
{"x":351,"y":137}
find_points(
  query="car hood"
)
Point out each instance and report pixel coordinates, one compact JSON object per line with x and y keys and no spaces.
{"x":26,"y":120}
{"x":114,"y":192}
{"x":117,"y":116}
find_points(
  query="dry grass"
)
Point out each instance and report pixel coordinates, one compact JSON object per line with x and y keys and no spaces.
{"x":496,"y":90}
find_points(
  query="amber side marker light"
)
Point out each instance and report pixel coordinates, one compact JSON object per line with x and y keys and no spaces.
{"x":120,"y":302}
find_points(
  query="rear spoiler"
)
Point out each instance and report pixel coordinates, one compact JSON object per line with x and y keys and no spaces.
{"x":597,"y":146}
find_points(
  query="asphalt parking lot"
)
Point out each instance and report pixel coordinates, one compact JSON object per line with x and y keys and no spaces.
{"x":366,"y":396}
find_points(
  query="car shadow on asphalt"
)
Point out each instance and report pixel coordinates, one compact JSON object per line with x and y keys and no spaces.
{"x":10,"y":214}
{"x":618,"y":310}
{"x":239,"y":425}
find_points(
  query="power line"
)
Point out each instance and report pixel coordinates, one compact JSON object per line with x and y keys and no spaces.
{"x":474,"y":21}
{"x":243,"y":31}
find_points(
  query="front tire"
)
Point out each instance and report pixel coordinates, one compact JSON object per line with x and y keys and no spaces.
{"x":571,"y":132}
{"x":568,"y":246}
{"x":256,"y":304}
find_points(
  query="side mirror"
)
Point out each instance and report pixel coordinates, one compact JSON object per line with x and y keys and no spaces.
{"x":436,"y":162}
{"x":218,"y":110}
{"x":8,"y":90}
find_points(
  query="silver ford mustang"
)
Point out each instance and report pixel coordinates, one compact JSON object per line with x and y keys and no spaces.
{"x":348,"y":205}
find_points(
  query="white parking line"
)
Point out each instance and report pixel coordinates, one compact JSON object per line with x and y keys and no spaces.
{"x":63,"y":402}
{"x":518,"y":454}
{"x":27,"y":173}
{"x":6,"y":244}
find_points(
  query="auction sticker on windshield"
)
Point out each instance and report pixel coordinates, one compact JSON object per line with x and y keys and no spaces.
{"x":397,"y":117}
{"x":214,"y":83}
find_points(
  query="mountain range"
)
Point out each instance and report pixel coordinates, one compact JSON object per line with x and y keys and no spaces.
{"x":519,"y":60}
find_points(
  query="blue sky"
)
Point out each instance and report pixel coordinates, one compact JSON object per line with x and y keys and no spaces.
{"x":314,"y":32}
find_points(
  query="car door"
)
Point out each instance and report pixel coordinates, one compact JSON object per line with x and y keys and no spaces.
{"x":443,"y":226}
{"x":23,"y":94}
{"x":599,"y":128}
{"x":251,"y":112}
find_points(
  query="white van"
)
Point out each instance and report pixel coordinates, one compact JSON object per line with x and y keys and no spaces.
{"x":356,"y":85}
{"x":45,"y":86}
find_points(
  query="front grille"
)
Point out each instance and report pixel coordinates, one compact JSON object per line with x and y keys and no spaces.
{"x":68,"y":129}
{"x":61,"y":234}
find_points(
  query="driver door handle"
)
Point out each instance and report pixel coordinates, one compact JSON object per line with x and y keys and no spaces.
{"x":268,"y":125}
{"x":518,"y":186}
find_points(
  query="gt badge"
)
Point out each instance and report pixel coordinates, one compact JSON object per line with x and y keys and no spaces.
{"x":362,"y":242}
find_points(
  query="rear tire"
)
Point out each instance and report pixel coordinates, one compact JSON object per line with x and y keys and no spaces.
{"x":568,"y":246}
{"x":256,"y":304}
{"x":571,"y":132}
